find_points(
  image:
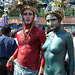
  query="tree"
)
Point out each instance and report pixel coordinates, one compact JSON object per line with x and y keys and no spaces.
{"x":1,"y":12}
{"x":69,"y":11}
{"x":41,"y":13}
{"x":14,"y":13}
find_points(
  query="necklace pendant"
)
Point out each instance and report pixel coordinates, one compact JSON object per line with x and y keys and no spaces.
{"x":25,"y":42}
{"x":53,"y":35}
{"x":26,"y":30}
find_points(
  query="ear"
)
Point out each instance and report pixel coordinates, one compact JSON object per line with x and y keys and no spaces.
{"x":59,"y":20}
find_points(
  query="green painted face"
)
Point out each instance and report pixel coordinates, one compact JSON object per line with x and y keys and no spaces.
{"x":52,"y":21}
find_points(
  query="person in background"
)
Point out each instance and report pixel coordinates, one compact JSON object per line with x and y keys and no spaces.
{"x":7,"y":48}
{"x":13,"y":34}
{"x":0,"y":32}
{"x":73,"y":36}
{"x":30,"y":41}
{"x":58,"y":43}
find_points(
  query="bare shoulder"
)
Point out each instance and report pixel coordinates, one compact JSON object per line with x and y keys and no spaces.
{"x":67,"y":35}
{"x":19,"y":32}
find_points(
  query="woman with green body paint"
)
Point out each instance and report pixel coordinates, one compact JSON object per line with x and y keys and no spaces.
{"x":57,"y":42}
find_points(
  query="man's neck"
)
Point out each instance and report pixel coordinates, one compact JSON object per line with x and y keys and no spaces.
{"x":28,"y":26}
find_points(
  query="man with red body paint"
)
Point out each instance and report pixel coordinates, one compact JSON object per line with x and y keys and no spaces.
{"x":30,"y":41}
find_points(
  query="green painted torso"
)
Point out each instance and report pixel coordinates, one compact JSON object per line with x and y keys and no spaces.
{"x":55,"y":49}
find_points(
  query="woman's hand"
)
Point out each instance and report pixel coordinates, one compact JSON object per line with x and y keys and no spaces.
{"x":41,"y":71}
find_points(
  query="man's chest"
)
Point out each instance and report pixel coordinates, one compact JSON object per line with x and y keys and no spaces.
{"x":30,"y":39}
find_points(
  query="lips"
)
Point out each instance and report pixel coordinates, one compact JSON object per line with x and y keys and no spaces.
{"x":51,"y":26}
{"x":27,"y":20}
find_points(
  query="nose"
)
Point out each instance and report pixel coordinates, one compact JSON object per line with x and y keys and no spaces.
{"x":49,"y":23}
{"x":27,"y":15}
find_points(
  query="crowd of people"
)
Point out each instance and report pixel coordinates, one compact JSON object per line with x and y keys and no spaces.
{"x":7,"y":48}
{"x":20,"y":50}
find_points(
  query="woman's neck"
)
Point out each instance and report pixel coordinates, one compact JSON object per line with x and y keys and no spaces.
{"x":57,"y":30}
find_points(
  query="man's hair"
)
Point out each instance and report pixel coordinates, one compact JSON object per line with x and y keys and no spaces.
{"x":5,"y":29}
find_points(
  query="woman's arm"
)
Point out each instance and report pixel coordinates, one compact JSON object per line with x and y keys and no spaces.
{"x":70,"y":53}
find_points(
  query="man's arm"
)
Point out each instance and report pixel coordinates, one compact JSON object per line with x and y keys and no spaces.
{"x":42,"y":37}
{"x":9,"y":62}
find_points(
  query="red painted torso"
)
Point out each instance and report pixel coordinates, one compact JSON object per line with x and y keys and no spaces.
{"x":28,"y":53}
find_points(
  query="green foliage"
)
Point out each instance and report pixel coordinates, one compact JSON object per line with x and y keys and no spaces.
{"x":41,"y":14}
{"x":14,"y":13}
{"x":1,"y":12}
{"x":69,"y":11}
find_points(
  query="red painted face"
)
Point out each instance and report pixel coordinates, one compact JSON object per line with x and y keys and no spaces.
{"x":28,"y":16}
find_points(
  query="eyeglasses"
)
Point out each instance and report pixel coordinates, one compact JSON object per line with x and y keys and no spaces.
{"x":30,"y":14}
